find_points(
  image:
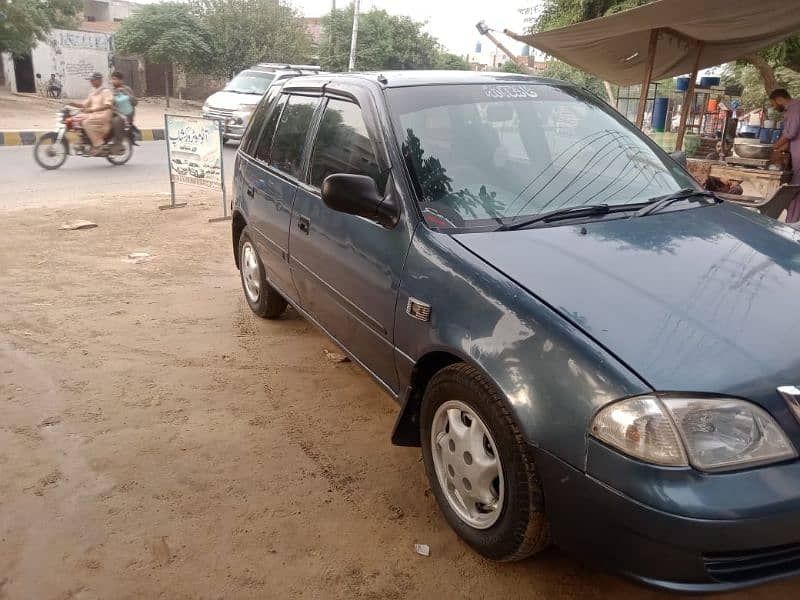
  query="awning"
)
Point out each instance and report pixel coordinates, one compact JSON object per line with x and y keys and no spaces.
{"x":615,"y":48}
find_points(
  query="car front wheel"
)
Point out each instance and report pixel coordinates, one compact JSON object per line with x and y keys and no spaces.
{"x":263,"y":299}
{"x":480,"y":468}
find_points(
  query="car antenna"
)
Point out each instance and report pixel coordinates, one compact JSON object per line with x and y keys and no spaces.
{"x":382,"y":79}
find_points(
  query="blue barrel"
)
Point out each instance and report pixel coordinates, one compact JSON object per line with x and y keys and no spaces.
{"x":776,"y":134}
{"x":765,"y":135}
{"x":659,"y":119}
{"x":681,"y":84}
{"x":477,"y":47}
{"x":707,"y":82}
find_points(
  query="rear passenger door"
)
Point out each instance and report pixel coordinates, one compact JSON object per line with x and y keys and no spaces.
{"x":346,"y":268}
{"x":270,"y":178}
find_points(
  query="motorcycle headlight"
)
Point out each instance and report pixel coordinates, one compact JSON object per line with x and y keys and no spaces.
{"x":711,"y":434}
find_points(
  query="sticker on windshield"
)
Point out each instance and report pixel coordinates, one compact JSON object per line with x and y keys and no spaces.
{"x":509,"y":91}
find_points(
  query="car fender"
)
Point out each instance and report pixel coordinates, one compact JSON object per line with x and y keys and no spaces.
{"x":553,"y":375}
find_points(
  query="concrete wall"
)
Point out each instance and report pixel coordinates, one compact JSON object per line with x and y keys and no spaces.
{"x":8,"y":73}
{"x":73,"y":56}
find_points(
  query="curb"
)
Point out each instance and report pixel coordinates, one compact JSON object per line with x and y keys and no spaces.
{"x":28,"y":138}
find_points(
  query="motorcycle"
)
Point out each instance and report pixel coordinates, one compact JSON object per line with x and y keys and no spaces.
{"x":52,"y":148}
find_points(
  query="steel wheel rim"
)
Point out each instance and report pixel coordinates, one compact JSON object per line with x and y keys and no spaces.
{"x":51,"y":153}
{"x":467,"y":464}
{"x":251,"y":272}
{"x":125,"y":156}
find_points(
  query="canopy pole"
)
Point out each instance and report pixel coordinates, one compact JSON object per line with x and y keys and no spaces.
{"x":648,"y":77}
{"x":688,"y":99}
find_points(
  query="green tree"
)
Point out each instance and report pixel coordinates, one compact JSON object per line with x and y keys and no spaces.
{"x":511,"y":67}
{"x":245,"y":32}
{"x":24,"y":22}
{"x":384,"y":42}
{"x":447,"y":60}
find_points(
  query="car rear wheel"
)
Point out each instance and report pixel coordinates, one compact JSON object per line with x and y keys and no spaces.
{"x":480,"y":468}
{"x":263,"y":299}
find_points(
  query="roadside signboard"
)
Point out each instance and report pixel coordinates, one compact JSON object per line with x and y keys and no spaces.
{"x":194,"y":153}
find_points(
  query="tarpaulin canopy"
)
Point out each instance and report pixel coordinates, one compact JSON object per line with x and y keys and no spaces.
{"x":615,"y":48}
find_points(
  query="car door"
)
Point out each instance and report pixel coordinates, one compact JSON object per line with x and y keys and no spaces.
{"x":270,"y":178}
{"x":346,"y":268}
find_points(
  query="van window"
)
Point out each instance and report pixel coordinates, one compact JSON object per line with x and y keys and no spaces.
{"x":287,"y":147}
{"x":251,"y":138}
{"x":265,"y":141}
{"x":343,"y":144}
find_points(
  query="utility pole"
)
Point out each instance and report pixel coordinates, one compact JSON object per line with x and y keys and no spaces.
{"x":333,"y":30}
{"x":354,"y":40}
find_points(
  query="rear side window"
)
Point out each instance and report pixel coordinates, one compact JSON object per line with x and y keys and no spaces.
{"x":261,"y":150}
{"x":343,"y":144}
{"x":287,"y":147}
{"x":250,"y":142}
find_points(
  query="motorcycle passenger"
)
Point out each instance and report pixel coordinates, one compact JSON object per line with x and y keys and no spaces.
{"x":95,"y":115}
{"x":124,"y":104}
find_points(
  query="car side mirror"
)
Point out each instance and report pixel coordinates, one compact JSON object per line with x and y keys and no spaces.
{"x":358,"y":195}
{"x":679,"y":157}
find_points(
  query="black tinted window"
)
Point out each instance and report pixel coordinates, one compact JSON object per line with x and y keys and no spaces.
{"x":265,"y":141}
{"x":257,"y":121}
{"x":343,"y":144}
{"x":287,"y":147}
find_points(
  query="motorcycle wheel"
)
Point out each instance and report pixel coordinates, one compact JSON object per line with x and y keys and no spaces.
{"x":121,"y":159}
{"x":49,"y":153}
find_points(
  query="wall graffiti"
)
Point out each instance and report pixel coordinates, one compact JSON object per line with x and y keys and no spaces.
{"x":81,"y":39}
{"x":81,"y":68}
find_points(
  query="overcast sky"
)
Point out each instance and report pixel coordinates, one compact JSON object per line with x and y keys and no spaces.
{"x":451,"y":21}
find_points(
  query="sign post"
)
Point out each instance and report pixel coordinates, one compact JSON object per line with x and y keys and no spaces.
{"x":194,"y":152}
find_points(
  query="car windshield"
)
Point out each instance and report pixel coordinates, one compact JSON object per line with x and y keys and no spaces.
{"x":487,"y":154}
{"x":250,"y":82}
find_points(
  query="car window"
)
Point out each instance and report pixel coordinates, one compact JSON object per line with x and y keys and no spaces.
{"x":265,"y":141}
{"x":252,"y":136}
{"x":343,"y":144}
{"x":250,"y":82}
{"x":287,"y":147}
{"x":483,"y":154}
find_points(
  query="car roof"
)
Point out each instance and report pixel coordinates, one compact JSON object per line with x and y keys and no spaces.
{"x":271,"y":67}
{"x":391,"y":79}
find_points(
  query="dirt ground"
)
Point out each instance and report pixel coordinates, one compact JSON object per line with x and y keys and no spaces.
{"x":159,"y":441}
{"x":23,"y":112}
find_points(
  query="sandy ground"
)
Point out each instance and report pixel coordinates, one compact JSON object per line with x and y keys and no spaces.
{"x":159,"y":441}
{"x":24,"y":112}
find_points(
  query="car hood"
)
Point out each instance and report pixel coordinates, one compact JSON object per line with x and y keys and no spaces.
{"x":703,"y":299}
{"x":231,"y":100}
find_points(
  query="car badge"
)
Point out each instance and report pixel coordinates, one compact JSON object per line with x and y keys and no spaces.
{"x":791,"y":394}
{"x":418,"y":309}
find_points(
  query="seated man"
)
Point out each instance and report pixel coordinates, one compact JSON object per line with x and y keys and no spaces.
{"x":95,"y":115}
{"x":53,"y":86}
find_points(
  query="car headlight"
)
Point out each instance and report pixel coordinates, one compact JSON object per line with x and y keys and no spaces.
{"x":711,"y":434}
{"x":205,"y":108}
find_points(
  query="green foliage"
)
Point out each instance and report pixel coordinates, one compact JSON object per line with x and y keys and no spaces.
{"x":447,"y":60}
{"x":564,"y":72}
{"x":754,"y":95}
{"x":245,"y":32}
{"x":511,"y":67}
{"x":384,"y":42}
{"x":165,"y":33}
{"x":29,"y":21}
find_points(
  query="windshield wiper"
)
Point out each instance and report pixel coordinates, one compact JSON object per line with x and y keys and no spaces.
{"x":560,"y":214}
{"x":691,"y":194}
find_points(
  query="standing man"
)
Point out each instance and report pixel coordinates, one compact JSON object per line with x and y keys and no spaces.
{"x":782,"y":102}
{"x":96,"y":112}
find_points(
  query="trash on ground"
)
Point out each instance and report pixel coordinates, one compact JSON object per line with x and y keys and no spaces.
{"x":78,"y":224}
{"x":422,"y":549}
{"x":335,"y":356}
{"x":137,"y":257}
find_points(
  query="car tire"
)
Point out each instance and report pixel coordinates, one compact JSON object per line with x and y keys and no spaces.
{"x":467,"y":431}
{"x":264,"y":300}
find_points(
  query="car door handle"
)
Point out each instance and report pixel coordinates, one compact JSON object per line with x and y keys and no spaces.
{"x":304,"y":225}
{"x":250,"y":191}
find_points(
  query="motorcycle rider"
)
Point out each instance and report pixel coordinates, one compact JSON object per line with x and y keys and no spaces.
{"x":95,"y":115}
{"x":125,"y":105}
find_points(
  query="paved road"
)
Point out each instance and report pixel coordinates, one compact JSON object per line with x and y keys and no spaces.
{"x":24,"y":184}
